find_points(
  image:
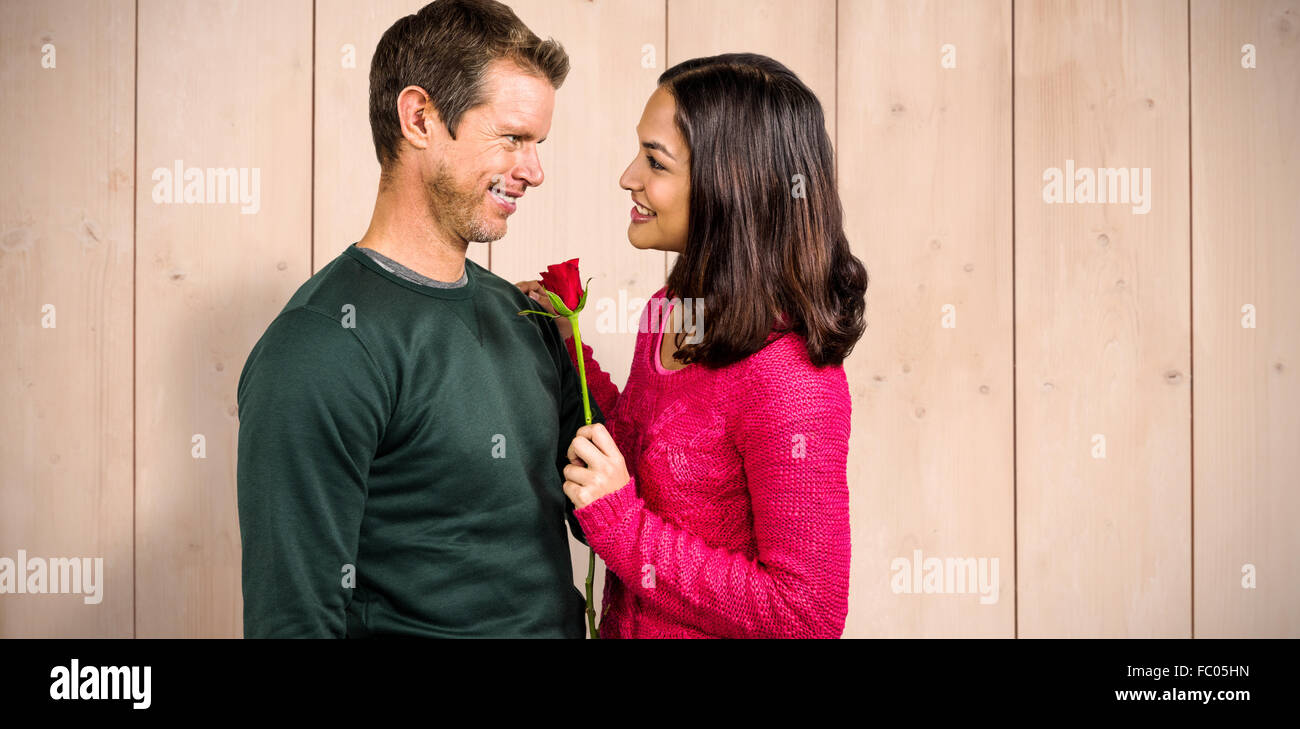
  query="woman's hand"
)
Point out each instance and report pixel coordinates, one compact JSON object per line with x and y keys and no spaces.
{"x":604,"y":473}
{"x":534,"y":291}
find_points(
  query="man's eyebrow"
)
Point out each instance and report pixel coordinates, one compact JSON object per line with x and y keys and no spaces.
{"x":657,"y":146}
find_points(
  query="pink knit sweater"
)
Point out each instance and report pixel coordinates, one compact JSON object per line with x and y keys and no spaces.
{"x":735,"y":522}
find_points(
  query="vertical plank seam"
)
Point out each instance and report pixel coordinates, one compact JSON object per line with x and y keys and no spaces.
{"x":1191,"y":323}
{"x":667,"y":63}
{"x":1015,"y":440}
{"x":135,"y":326}
{"x":311,"y":244}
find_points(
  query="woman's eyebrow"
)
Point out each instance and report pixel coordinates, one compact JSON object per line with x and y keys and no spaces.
{"x":659,"y":147}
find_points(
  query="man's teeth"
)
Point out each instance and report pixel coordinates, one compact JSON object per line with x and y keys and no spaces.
{"x":643,"y":211}
{"x":502,"y":196}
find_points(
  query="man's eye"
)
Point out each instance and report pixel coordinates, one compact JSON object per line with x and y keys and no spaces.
{"x":654,"y":164}
{"x":514,"y":138}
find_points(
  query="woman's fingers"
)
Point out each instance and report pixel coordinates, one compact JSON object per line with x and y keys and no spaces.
{"x":582,"y":448}
{"x":579,"y":475}
{"x":535,"y":291}
{"x":572,"y":490}
{"x":605,"y":471}
{"x":598,"y":435}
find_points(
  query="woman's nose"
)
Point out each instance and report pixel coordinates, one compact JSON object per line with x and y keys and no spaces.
{"x":628,"y":180}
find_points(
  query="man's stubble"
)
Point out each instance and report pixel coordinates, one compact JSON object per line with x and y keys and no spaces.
{"x":459,"y":209}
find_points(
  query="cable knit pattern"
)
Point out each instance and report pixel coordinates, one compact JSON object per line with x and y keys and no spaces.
{"x":735,"y":523}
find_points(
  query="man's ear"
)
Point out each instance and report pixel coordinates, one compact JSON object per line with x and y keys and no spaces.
{"x":417,"y":117}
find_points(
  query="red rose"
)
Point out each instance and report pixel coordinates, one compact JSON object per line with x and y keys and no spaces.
{"x":562,"y":279}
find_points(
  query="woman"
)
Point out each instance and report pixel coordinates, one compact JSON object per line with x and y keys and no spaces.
{"x":723,"y":510}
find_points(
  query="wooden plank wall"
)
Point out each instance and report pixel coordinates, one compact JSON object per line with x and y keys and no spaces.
{"x":67,"y":77}
{"x":925,"y":174}
{"x":1102,"y":400}
{"x":1102,"y":324}
{"x":1246,"y":263}
{"x":221,"y":86}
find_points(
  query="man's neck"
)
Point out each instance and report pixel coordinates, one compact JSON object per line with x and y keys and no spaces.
{"x":405,"y":230}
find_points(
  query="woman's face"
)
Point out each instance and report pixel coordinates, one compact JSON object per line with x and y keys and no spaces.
{"x":659,"y":179}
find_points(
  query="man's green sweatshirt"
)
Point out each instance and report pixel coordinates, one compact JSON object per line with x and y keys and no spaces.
{"x":401,"y":450}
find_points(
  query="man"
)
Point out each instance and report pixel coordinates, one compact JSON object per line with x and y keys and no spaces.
{"x":403,"y":430}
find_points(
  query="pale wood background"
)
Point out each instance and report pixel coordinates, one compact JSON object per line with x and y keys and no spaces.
{"x":1072,"y":321}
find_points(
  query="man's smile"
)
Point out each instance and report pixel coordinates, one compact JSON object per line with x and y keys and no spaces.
{"x":506,"y":199}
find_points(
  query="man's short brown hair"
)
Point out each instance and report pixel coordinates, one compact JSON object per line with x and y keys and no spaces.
{"x":445,"y":49}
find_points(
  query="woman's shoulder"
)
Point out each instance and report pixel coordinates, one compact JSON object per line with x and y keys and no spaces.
{"x":789,"y":350}
{"x":779,"y":386}
{"x":783,"y":370}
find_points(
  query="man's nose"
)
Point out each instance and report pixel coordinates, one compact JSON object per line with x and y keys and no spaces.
{"x":530,"y":167}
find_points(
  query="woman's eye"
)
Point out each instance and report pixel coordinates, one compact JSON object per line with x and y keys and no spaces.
{"x":654,"y":165}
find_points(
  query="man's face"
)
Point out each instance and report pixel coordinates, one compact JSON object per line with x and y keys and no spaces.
{"x":479,"y":177}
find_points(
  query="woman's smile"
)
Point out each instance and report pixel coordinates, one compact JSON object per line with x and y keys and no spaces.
{"x":641,"y":213}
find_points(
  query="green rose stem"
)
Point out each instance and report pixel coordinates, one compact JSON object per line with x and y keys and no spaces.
{"x":582,"y":368}
{"x":572,"y":316}
{"x":586,"y":414}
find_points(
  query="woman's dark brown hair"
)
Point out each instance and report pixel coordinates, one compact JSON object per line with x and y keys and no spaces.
{"x":445,"y":49}
{"x":765,"y":235}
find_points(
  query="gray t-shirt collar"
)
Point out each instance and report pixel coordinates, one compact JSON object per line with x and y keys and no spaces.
{"x":406,"y":273}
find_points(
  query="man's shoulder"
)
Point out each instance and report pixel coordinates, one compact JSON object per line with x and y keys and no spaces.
{"x":342,"y":304}
{"x":305,"y":338}
{"x":496,"y":287}
{"x":339,"y":282}
{"x":504,"y":299}
{"x":308,"y":358}
{"x":320,"y":312}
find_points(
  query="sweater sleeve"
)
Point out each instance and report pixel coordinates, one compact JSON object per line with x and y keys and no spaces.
{"x":601,"y":388}
{"x":313,"y":406}
{"x":792,"y":428}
